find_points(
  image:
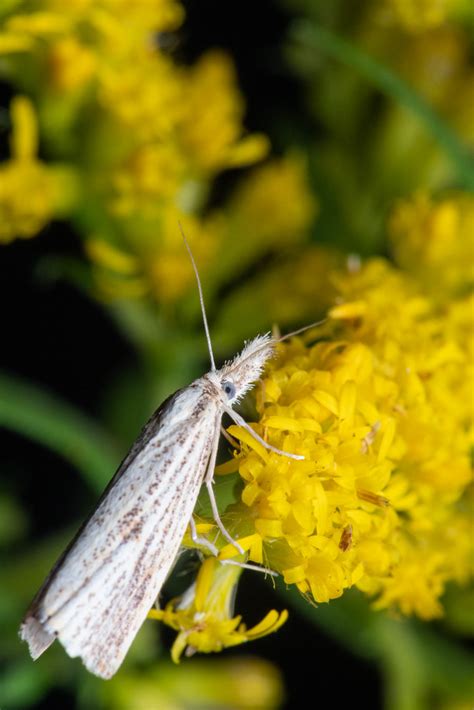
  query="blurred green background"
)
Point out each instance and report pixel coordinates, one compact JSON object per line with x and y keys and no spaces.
{"x":363,"y":104}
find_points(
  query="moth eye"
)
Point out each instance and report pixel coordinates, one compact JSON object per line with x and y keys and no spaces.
{"x":229,"y":389}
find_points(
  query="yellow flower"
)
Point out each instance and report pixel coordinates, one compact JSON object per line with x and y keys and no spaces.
{"x":30,"y":191}
{"x":308,"y":298}
{"x":434,"y":241}
{"x":147,"y":135}
{"x":41,"y":24}
{"x":150,"y":176}
{"x":151,"y":259}
{"x":275,"y":201}
{"x":71,"y":64}
{"x":152,"y":15}
{"x":210,"y":131}
{"x":233,"y":683}
{"x":203,"y":616}
{"x":11,"y":42}
{"x":144,"y":93}
{"x":375,"y":409}
{"x":418,"y":15}
{"x":271,"y":208}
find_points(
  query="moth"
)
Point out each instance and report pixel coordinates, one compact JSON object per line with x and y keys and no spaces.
{"x":101,"y":589}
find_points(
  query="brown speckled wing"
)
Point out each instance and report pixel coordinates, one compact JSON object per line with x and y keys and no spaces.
{"x":101,"y":589}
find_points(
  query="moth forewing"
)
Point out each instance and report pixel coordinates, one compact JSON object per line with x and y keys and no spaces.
{"x":100,"y":591}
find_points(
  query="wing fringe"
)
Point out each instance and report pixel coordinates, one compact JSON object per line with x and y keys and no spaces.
{"x":37,"y":637}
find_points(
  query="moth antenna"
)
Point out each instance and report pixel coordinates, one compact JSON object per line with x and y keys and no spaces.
{"x":300,"y":330}
{"x":201,"y":297}
{"x":288,"y":335}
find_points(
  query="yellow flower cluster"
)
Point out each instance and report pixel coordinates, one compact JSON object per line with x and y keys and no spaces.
{"x":236,"y":683}
{"x":31,"y":192}
{"x":420,"y":15}
{"x":203,"y":616}
{"x":275,"y":202}
{"x":376,"y":407}
{"x":145,"y":135}
{"x":308,"y":297}
{"x":379,"y":408}
{"x":435,"y":241}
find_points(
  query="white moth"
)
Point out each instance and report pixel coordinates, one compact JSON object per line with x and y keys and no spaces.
{"x":101,"y":589}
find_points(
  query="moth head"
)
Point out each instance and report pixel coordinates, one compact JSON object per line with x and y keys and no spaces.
{"x":238,"y":376}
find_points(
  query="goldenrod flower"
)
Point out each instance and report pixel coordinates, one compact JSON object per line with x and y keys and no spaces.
{"x":210,"y":130}
{"x":374,"y":407}
{"x":148,"y":259}
{"x":71,"y":64}
{"x":308,"y":298}
{"x":151,"y":176}
{"x":11,"y":43}
{"x":145,"y":94}
{"x":418,"y":15}
{"x":203,"y":616}
{"x":236,"y":683}
{"x":271,"y":207}
{"x":157,"y":134}
{"x":275,"y":201}
{"x":434,"y":241}
{"x":30,"y":191}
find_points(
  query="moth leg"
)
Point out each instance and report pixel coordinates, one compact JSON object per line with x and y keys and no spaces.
{"x":233,"y":442}
{"x":247,"y":565}
{"x":219,"y":523}
{"x":204,"y":542}
{"x":209,"y":481}
{"x":241,"y":422}
{"x":199,"y":540}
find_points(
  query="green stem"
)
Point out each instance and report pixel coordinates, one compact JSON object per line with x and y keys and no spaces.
{"x":44,"y":418}
{"x":315,"y":37}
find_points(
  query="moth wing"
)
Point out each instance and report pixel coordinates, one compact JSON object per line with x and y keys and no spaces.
{"x":100,"y":591}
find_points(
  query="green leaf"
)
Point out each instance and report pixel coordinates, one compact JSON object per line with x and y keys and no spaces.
{"x":314,"y":38}
{"x":38,"y":415}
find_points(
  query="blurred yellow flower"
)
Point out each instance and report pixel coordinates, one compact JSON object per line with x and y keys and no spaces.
{"x":212,"y":683}
{"x":152,"y":193}
{"x":31,"y":192}
{"x":39,"y":24}
{"x":436,"y":62}
{"x":434,"y":240}
{"x":271,"y":208}
{"x":151,"y":175}
{"x":154,"y":136}
{"x":70,"y":64}
{"x":203,"y":616}
{"x":275,"y":201}
{"x":307,"y":295}
{"x":145,"y":95}
{"x":418,"y":15}
{"x":151,"y":260}
{"x":210,"y":131}
{"x":11,"y":43}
